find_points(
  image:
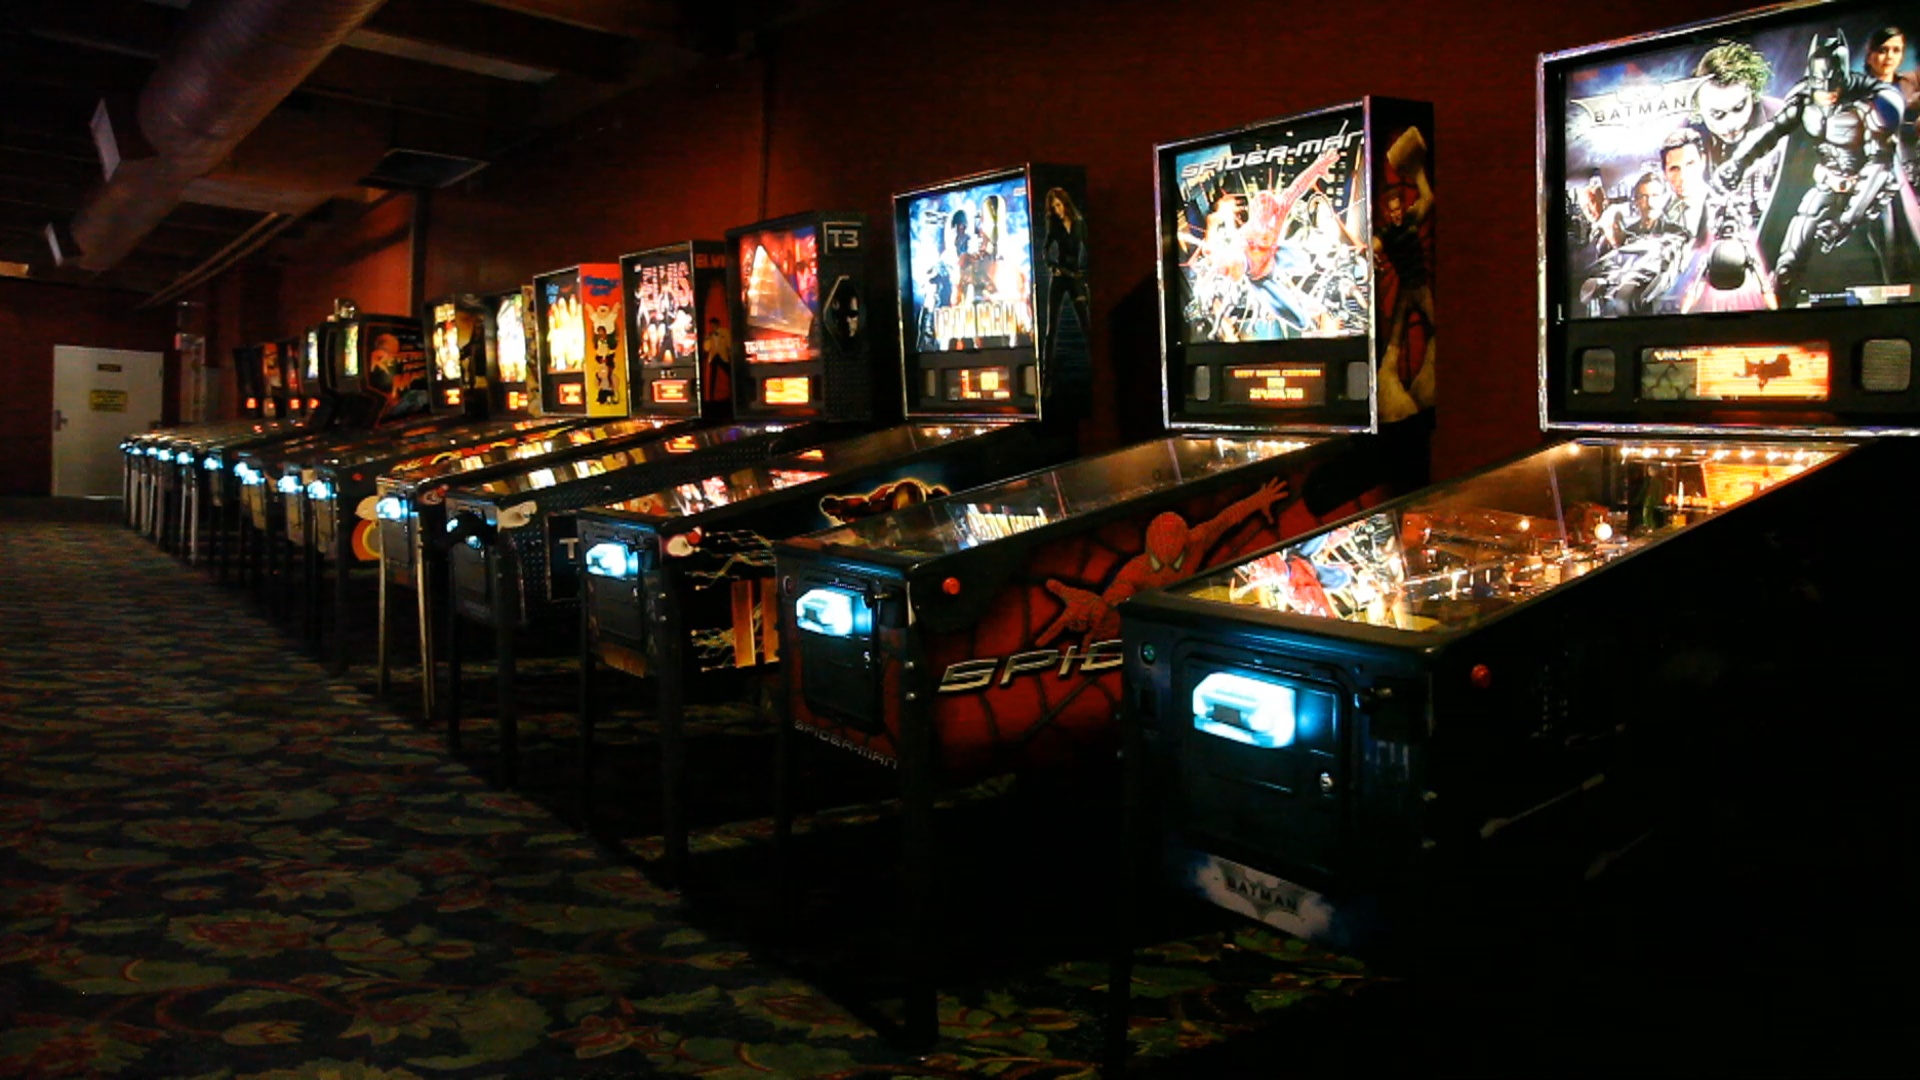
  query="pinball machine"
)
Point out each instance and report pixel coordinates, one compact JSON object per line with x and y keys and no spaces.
{"x":676,"y":347}
{"x":373,"y":377}
{"x":467,"y":379}
{"x":150,"y":480}
{"x":977,"y":634}
{"x":1494,"y":690}
{"x":512,"y":553}
{"x":995,"y":377}
{"x":284,"y":408}
{"x":219,"y":483}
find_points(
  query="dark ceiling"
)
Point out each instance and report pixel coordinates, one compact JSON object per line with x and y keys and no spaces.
{"x":449,"y":85}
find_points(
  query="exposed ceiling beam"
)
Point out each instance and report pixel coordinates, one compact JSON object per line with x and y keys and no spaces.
{"x":457,"y":33}
{"x":128,"y":27}
{"x":640,"y":20}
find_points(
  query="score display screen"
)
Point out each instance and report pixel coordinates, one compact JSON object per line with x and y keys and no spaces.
{"x":979,"y":384}
{"x":787,"y":390}
{"x":1270,"y":226}
{"x":970,"y":257}
{"x":1691,"y":171}
{"x":1282,"y":386}
{"x":1736,"y":373}
{"x":672,"y":391}
{"x":780,"y":291}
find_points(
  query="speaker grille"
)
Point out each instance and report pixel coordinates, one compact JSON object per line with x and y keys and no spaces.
{"x":1886,"y":366}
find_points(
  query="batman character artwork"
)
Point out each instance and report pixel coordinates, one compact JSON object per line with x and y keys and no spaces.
{"x":1831,"y":223}
{"x":1766,"y":171}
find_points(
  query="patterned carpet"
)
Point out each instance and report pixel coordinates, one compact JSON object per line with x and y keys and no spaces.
{"x":218,"y":863}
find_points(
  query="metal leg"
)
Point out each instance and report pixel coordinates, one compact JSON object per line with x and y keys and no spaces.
{"x":669,"y":711}
{"x":921,"y":1006}
{"x":453,"y":675}
{"x":508,"y":766}
{"x":589,"y":712}
{"x":783,"y":750}
{"x":425,"y":571}
{"x":383,"y":643}
{"x":1133,"y":822}
{"x":342,"y":565}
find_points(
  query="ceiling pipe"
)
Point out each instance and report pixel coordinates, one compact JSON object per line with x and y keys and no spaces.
{"x":232,"y":63}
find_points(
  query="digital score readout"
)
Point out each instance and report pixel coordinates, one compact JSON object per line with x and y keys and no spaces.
{"x":1736,"y":373}
{"x":572,"y":393}
{"x":671,"y":391}
{"x":1279,"y":386}
{"x":979,"y":384}
{"x":787,"y":390}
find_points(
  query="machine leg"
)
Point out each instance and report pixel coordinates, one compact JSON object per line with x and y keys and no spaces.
{"x":508,"y":767}
{"x":425,"y":572}
{"x":454,"y":677}
{"x":589,"y":713}
{"x":670,"y":713}
{"x":383,"y":641}
{"x":921,"y":1005}
{"x":1133,"y":855}
{"x":342,"y":617}
{"x":783,"y":750}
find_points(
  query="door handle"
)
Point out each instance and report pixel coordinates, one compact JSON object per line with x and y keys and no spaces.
{"x":59,"y":420}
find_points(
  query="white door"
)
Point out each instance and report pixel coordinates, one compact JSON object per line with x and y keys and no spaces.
{"x":100,"y":396}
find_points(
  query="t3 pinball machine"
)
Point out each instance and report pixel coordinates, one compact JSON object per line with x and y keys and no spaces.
{"x":995,"y":376}
{"x":1486,"y":693}
{"x":512,"y":553}
{"x":978,"y":633}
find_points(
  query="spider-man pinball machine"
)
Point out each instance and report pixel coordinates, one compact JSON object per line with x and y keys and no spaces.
{"x":979,"y":633}
{"x":1433,"y":715}
{"x":513,"y":556}
{"x":995,"y":374}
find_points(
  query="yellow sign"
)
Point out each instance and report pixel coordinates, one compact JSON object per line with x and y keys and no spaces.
{"x":107,"y":400}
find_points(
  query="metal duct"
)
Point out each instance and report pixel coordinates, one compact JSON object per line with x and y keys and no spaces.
{"x":233,"y":62}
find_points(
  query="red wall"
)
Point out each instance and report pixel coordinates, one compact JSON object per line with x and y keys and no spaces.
{"x":877,"y":97}
{"x":369,"y":262}
{"x":36,"y":316}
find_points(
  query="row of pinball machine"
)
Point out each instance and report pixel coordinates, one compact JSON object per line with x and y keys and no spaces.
{"x":1330,"y":691}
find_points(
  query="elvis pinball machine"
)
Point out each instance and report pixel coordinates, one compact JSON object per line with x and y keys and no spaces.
{"x":466,"y":380}
{"x":1496,"y":689}
{"x":374,"y":372}
{"x":978,"y":633}
{"x":992,"y":300}
{"x":512,"y":553}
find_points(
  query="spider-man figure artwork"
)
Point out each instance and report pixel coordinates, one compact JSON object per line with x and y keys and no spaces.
{"x":1174,"y":551}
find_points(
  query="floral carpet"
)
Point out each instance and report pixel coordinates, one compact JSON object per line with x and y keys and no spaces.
{"x":216,"y":862}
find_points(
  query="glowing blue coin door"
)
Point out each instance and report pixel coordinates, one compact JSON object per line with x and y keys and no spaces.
{"x":1258,"y":712}
{"x":833,"y":613}
{"x":612,"y":559}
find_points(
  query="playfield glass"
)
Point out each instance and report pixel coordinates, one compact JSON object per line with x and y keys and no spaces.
{"x":1462,"y":552}
{"x":803,"y":467}
{"x":990,"y":513}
